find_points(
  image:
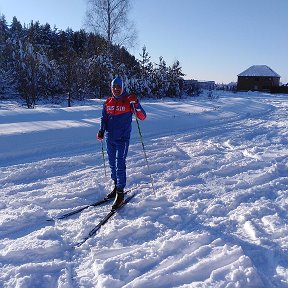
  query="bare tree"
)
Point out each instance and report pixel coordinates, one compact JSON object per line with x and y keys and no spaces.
{"x":109,"y":18}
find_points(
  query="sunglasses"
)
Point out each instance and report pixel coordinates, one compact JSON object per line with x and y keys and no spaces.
{"x":117,"y":86}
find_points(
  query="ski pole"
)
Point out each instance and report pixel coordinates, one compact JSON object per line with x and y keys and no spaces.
{"x":103,"y":157}
{"x":143,"y":147}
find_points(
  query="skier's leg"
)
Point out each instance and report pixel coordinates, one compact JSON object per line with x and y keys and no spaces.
{"x":111,"y":151}
{"x":122,"y":150}
{"x":121,"y":154}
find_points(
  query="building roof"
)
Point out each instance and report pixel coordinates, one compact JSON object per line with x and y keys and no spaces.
{"x":260,"y":71}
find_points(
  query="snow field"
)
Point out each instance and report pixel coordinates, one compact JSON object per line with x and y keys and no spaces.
{"x":218,"y":219}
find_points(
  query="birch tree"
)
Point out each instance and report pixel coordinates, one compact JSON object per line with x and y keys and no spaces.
{"x":109,"y":18}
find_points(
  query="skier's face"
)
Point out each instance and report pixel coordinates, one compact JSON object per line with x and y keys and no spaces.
{"x":116,"y":90}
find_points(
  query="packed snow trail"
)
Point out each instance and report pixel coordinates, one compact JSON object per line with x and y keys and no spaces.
{"x":219,"y":218}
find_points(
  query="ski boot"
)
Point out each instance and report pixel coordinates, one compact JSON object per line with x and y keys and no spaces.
{"x":112,"y":194}
{"x":119,"y":199}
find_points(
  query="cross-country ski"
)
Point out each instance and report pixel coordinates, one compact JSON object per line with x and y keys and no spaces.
{"x":76,"y":211}
{"x":103,"y":221}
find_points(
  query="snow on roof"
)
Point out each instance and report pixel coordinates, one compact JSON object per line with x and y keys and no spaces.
{"x":259,"y":70}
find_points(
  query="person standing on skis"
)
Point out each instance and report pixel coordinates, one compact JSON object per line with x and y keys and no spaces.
{"x":116,"y":121}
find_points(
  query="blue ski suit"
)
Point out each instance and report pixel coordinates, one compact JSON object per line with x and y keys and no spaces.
{"x":116,"y":121}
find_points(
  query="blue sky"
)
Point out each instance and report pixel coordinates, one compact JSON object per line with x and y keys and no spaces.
{"x":212,"y":39}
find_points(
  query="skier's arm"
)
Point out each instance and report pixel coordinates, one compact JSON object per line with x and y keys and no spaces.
{"x":100,"y":134}
{"x":103,"y":118}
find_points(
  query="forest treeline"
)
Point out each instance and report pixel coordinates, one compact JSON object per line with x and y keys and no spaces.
{"x":40,"y":62}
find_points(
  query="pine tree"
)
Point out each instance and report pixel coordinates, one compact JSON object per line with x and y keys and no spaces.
{"x":100,"y":74}
{"x":4,"y":69}
{"x":175,"y":79}
{"x":31,"y":68}
{"x":160,"y":79}
{"x":146,"y":70}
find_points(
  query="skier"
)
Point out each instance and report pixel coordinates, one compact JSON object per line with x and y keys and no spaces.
{"x":116,"y":122}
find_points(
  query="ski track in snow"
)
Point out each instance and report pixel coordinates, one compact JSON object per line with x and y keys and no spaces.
{"x":218,"y":219}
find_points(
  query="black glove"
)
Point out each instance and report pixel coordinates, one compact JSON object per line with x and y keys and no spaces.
{"x":100,"y":135}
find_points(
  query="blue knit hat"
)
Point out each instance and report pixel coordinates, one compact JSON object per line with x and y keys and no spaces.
{"x":117,"y":81}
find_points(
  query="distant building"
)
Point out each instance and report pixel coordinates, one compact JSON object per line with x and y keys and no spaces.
{"x":190,"y":82}
{"x":258,"y":78}
{"x":209,"y":85}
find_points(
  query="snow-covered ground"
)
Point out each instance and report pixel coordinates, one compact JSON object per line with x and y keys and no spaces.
{"x":218,"y":217}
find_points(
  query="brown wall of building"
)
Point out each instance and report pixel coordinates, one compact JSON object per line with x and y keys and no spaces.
{"x":246,"y":83}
